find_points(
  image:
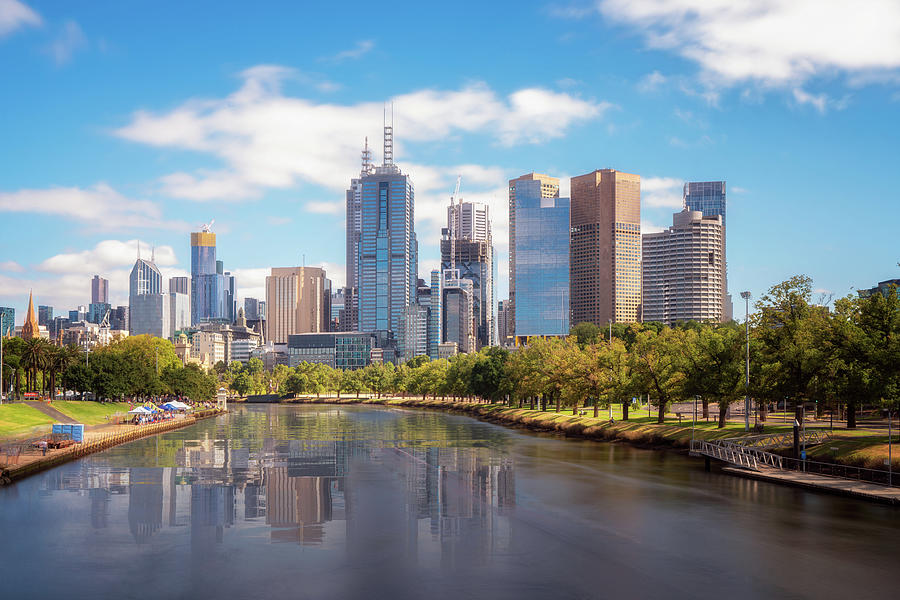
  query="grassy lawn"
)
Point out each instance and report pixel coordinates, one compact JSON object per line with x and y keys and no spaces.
{"x":90,"y":413}
{"x":18,"y":419}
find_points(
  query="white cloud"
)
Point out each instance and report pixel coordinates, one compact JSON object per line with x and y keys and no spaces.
{"x":662,"y":192}
{"x":570,"y":11}
{"x":11,"y":266}
{"x":106,"y":256}
{"x":100,"y":207}
{"x":769,"y":41}
{"x":15,"y":14}
{"x":70,"y":39}
{"x":648,"y":227}
{"x":268,"y":140}
{"x":652,"y":81}
{"x":361,"y":48}
{"x":251,"y":283}
{"x":324,"y":207}
{"x":817,"y":101}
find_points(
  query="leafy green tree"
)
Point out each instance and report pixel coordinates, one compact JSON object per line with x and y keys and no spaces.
{"x":714,"y":365}
{"x":656,"y":364}
{"x":586,"y":333}
{"x":488,"y":374}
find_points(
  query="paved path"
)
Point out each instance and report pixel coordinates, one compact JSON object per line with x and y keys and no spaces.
{"x":822,"y":483}
{"x":51,"y":412}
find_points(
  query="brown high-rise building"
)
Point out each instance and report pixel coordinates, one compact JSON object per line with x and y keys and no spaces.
{"x":549,"y":189}
{"x":296,"y":302}
{"x":99,"y":290}
{"x":605,"y":248}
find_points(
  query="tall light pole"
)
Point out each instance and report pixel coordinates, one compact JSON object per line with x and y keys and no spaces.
{"x":610,"y":332}
{"x":746,"y":297}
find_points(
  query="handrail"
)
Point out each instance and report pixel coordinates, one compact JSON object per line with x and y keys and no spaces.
{"x":736,"y":454}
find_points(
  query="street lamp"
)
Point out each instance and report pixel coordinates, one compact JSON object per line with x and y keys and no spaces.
{"x":746,"y":297}
{"x":610,"y":332}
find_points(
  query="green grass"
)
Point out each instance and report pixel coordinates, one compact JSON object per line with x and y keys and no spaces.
{"x":90,"y":413}
{"x":19,"y":419}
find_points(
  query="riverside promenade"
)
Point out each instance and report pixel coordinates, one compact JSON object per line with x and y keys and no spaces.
{"x":822,"y":483}
{"x":95,"y":440}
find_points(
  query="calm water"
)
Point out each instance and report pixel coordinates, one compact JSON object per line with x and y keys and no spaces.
{"x":357,"y":502}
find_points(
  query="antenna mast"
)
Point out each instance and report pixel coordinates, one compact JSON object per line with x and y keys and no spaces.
{"x":389,"y":138}
{"x":366,"y":159}
{"x":454,"y":216}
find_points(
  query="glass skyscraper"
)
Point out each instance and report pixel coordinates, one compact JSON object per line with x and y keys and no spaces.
{"x":707,"y":197}
{"x":148,"y":305}
{"x":541,"y":268}
{"x":208,"y":283}
{"x":387,"y":255}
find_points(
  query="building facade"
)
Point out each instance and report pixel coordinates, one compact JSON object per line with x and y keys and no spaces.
{"x":540,"y":267}
{"x":295,"y":302}
{"x":208,"y":348}
{"x":528,"y":187}
{"x":148,"y":305}
{"x":386,"y":255}
{"x":207,"y":280}
{"x":7,"y":321}
{"x":473,"y":261}
{"x":99,"y":290}
{"x":180,"y":285}
{"x":179,"y":311}
{"x":503,"y":329}
{"x":458,"y":312}
{"x":339,"y":350}
{"x":709,"y":198}
{"x":45,"y":315}
{"x":684,"y":270}
{"x":605,"y":268}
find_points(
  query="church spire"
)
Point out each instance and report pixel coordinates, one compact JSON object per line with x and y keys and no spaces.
{"x":30,"y":328}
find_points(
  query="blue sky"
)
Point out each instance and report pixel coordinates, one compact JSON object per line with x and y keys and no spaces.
{"x":138,"y":121}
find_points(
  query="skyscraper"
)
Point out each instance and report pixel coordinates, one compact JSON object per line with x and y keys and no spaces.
{"x":148,"y":304}
{"x":350,"y":321}
{"x":605,"y":270}
{"x":473,"y":261}
{"x":251,"y":309}
{"x":435,"y":319}
{"x":99,"y":290}
{"x":458,"y":314}
{"x":709,"y":198}
{"x":546,"y":187}
{"x":539,"y":251}
{"x":503,"y":337}
{"x":7,"y":321}
{"x":387,"y":262}
{"x":296,"y":302}
{"x":45,"y":315}
{"x":180,"y":285}
{"x":684,"y":270}
{"x":208,"y":285}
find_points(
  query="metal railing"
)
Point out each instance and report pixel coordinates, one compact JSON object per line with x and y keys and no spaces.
{"x":785,"y":439}
{"x":876,"y":476}
{"x":736,"y":454}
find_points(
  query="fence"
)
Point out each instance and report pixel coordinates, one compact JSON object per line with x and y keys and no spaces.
{"x":877,"y":476}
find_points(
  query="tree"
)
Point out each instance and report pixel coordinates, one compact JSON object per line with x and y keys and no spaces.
{"x":585,"y":333}
{"x":714,"y":365}
{"x":656,"y":362}
{"x":488,"y":374}
{"x":34,"y":359}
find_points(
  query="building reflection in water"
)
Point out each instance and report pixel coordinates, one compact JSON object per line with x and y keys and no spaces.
{"x":450,"y":504}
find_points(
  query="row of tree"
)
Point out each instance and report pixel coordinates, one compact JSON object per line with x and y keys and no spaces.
{"x":802,"y":353}
{"x":138,"y":367}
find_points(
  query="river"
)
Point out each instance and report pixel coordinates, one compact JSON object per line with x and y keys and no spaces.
{"x":370,"y":502}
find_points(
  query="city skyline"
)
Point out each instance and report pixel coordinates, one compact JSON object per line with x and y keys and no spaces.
{"x":151,"y":159}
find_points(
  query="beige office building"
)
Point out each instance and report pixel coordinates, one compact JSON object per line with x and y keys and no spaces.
{"x":296,"y":302}
{"x":605,"y":248}
{"x":684,"y":270}
{"x":549,"y":189}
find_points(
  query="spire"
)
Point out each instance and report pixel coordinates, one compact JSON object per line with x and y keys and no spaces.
{"x":153,"y":254}
{"x":389,"y":138}
{"x":139,"y":249}
{"x":30,"y":328}
{"x":366,"y":159}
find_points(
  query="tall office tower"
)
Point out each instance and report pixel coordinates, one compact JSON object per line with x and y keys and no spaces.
{"x":45,"y":315}
{"x":605,"y":272}
{"x":230,"y":303}
{"x":354,"y":231}
{"x":7,"y":321}
{"x":684,"y":270}
{"x":96,"y":311}
{"x":709,"y":198}
{"x":251,"y":309}
{"x":179,"y":311}
{"x":99,"y":290}
{"x":338,"y":306}
{"x":295,"y":302}
{"x":468,"y":238}
{"x":459,"y":315}
{"x":387,"y":263}
{"x":413,"y":331}
{"x":503,"y":337}
{"x":539,"y":258}
{"x":435,"y":319}
{"x":531,"y":185}
{"x":207,"y":279}
{"x":148,"y":303}
{"x":118,"y":318}
{"x":180,"y":285}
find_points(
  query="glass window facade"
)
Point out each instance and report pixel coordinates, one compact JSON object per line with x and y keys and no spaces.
{"x":542,"y":262}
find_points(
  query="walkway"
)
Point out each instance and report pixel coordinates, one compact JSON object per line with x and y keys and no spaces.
{"x":51,"y":412}
{"x":821,"y":483}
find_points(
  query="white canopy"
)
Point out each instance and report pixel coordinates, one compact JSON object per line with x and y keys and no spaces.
{"x":140,"y":410}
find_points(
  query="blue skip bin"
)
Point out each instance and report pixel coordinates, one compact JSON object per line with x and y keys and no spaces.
{"x":73,"y":430}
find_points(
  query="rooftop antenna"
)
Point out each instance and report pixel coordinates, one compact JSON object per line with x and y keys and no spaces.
{"x":153,"y":254}
{"x":454,"y":215}
{"x":139,"y":249}
{"x":389,"y":138}
{"x":366,"y":159}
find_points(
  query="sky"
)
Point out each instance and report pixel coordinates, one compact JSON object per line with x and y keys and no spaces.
{"x":133,"y":123}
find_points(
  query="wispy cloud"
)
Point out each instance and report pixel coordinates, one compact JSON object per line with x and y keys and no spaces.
{"x":69,"y":40}
{"x":11,"y":266}
{"x":571,"y":11}
{"x":15,"y":15}
{"x":361,"y":48}
{"x":651,"y":82}
{"x":662,"y":192}
{"x":324,"y":208}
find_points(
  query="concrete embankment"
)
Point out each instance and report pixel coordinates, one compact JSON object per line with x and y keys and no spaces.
{"x":97,"y":443}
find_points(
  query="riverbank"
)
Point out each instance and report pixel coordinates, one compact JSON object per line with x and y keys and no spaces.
{"x":95,"y":441}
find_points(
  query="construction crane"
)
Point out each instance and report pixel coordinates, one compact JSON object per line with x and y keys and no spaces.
{"x":104,"y":327}
{"x":206,"y":227}
{"x":454,"y":216}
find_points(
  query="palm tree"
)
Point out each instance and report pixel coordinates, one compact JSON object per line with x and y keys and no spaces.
{"x":58,"y":360}
{"x":34,"y":358}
